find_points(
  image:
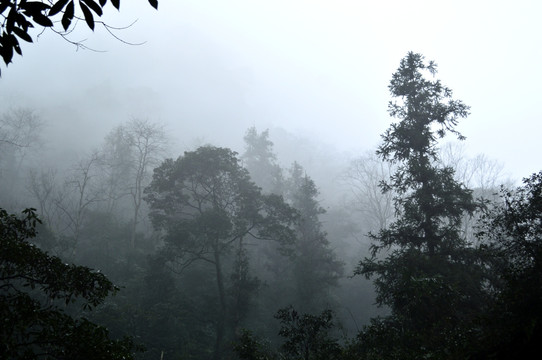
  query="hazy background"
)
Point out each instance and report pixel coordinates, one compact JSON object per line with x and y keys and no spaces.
{"x":319,"y":69}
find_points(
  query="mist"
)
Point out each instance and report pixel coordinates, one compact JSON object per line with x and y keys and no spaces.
{"x":298,"y":91}
{"x":211,"y":70}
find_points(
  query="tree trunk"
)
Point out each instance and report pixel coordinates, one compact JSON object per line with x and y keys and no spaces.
{"x":134,"y":226}
{"x":221,"y":321}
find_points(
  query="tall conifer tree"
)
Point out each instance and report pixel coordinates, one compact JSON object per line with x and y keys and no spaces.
{"x":426,"y":274}
{"x":316,"y":269}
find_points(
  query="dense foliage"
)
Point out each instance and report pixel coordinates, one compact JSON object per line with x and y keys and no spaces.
{"x":207,"y":206}
{"x":34,"y":290}
{"x":512,"y":233}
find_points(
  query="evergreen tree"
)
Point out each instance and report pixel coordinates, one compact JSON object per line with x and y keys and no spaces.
{"x":428,"y":277}
{"x":316,"y":269}
{"x":261,"y":161}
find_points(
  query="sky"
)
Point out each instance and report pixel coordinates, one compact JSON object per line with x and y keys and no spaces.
{"x":210,"y":69}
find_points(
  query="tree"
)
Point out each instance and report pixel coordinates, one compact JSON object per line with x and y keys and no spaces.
{"x":363,"y":177}
{"x":116,"y":167}
{"x":35,"y":288}
{"x":79,"y":194}
{"x":19,"y":132}
{"x":132,"y":151}
{"x":307,"y":336}
{"x":479,"y":173}
{"x":42,"y":186}
{"x":205,"y":203}
{"x":431,"y":280}
{"x":20,"y":16}
{"x":512,"y":235}
{"x":315,"y":266}
{"x":261,"y":161}
{"x":19,"y":128}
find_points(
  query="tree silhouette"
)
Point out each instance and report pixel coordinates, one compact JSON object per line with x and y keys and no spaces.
{"x":429,"y":277}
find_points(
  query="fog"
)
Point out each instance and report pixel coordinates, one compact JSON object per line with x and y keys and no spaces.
{"x":313,"y":73}
{"x":211,"y":69}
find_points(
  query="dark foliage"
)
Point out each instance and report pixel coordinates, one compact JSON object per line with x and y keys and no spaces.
{"x":34,"y":290}
{"x":305,"y":337}
{"x":513,"y":232}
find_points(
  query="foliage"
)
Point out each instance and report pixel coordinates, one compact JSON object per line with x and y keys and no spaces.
{"x":261,"y":162}
{"x":20,"y":16}
{"x":513,"y":234}
{"x":307,"y":336}
{"x":430,"y":278}
{"x":34,"y":287}
{"x":249,"y":347}
{"x":205,"y":201}
{"x":316,"y":269}
{"x":243,"y":287}
{"x":206,"y":205}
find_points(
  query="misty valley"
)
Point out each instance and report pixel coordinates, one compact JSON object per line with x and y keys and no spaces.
{"x":132,"y":251}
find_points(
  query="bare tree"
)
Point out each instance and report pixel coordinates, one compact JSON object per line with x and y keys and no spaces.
{"x":79,"y":192}
{"x":19,"y":128}
{"x":478,"y":172}
{"x":483,"y":175}
{"x":363,"y":177}
{"x":116,"y":167}
{"x":132,"y":151}
{"x":19,"y":131}
{"x":42,"y":186}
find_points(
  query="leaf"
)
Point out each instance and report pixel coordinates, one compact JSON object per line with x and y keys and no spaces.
{"x":68,"y":16}
{"x":42,"y":20}
{"x":32,"y":7}
{"x":94,"y":6}
{"x":57,"y":7}
{"x":4,"y":5}
{"x":22,"y":34}
{"x":154,"y":3}
{"x":88,"y":15}
{"x":11,"y":19}
{"x":116,"y":4}
{"x":7,"y":49}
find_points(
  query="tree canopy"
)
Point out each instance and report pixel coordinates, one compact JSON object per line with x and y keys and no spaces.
{"x":207,"y":205}
{"x":20,"y":16}
{"x":35,"y":289}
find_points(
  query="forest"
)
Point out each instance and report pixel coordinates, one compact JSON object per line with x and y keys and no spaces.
{"x":141,"y":246}
{"x":132,"y":252}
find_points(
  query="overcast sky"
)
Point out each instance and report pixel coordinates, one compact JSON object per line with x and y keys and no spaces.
{"x":212,"y":68}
